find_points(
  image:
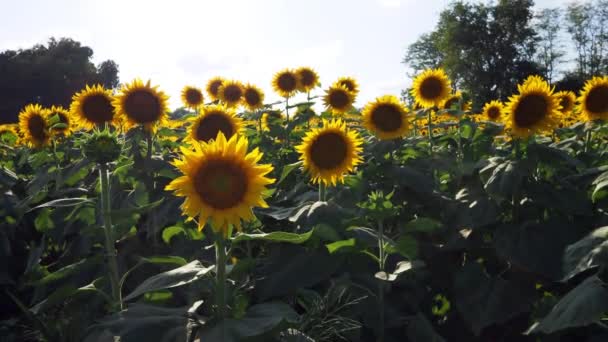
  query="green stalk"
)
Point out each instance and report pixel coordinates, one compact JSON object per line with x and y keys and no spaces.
{"x":429,"y":116}
{"x":517,"y":150}
{"x":588,"y":141}
{"x":381,"y":282}
{"x":220,"y":264}
{"x":322,"y":191}
{"x":149,"y":141}
{"x":104,"y":178}
{"x":287,"y":120}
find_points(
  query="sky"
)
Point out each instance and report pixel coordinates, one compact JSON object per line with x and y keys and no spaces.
{"x":186,"y":42}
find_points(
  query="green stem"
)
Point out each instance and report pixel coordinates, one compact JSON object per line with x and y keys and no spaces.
{"x":220,"y":264}
{"x":430,"y":133}
{"x":58,"y":162}
{"x":322,"y":191}
{"x":106,"y":206}
{"x":149,"y":141}
{"x":588,"y":141}
{"x":516,"y":195}
{"x":381,"y":261}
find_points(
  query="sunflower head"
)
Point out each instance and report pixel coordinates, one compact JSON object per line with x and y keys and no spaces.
{"x":338,"y":99}
{"x":349,"y":83}
{"x":92,"y":107}
{"x":221,"y":182}
{"x":34,"y":125}
{"x":532,"y":79}
{"x":253,"y":97}
{"x":593,"y":100}
{"x":213,"y":87}
{"x":330,"y":152}
{"x":308,"y":79}
{"x":63,"y":117}
{"x":9,"y":133}
{"x":102,"y":147}
{"x":231,"y":93}
{"x":386,"y":117}
{"x":534,"y":109}
{"x":140,"y":103}
{"x":453,"y":100}
{"x":192,"y":97}
{"x":271,"y":118}
{"x":286,"y":82}
{"x":492,"y":111}
{"x":567,"y":100}
{"x":212,"y":120}
{"x":431,"y":88}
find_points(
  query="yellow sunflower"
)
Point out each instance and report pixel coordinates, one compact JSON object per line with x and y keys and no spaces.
{"x":271,"y":118}
{"x":308,"y":79}
{"x":140,"y":103}
{"x":349,"y":83}
{"x":386,"y":117}
{"x":593,"y":100}
{"x":533,"y":78}
{"x":567,"y":100}
{"x":231,"y":93}
{"x":192,"y":97}
{"x":453,"y":100}
{"x":64,"y":118}
{"x":9,"y":133}
{"x":492,"y":111}
{"x":286,"y":82}
{"x":212,"y":120}
{"x":534,"y":109}
{"x":338,"y":99}
{"x":213,"y":87}
{"x":431,"y":88}
{"x":253,"y":97}
{"x":34,"y":125}
{"x":330,"y":152}
{"x":92,"y":107}
{"x":222,"y":182}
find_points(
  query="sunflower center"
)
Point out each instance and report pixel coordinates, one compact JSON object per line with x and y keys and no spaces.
{"x":387,"y":118}
{"x":307,"y":78}
{"x":530,"y":110}
{"x":214,"y":87}
{"x":98,"y":109}
{"x":287,"y":82}
{"x":37,"y":127}
{"x":252,"y":97}
{"x":211,"y":125}
{"x":62,"y":119}
{"x":348,"y":85}
{"x":233,"y":93}
{"x":339,"y":99}
{"x":565,"y":103}
{"x":142,"y":106}
{"x":328,"y":151}
{"x":449,"y":103}
{"x":222,"y":184}
{"x":493,"y":113}
{"x":431,"y":88}
{"x":597,"y":100}
{"x":194,"y":97}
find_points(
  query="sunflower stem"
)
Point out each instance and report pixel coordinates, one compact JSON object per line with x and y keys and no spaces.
{"x":287,"y":120}
{"x":220,"y":265}
{"x":149,"y":142}
{"x":104,"y":178}
{"x":381,"y":260}
{"x":588,"y":141}
{"x":515,"y":212}
{"x":322,"y":191}
{"x":58,"y":162}
{"x":430,"y":133}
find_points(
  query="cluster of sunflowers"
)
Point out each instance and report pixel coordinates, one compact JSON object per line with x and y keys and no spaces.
{"x":222,"y":180}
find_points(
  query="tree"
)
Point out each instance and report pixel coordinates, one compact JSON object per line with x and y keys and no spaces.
{"x":587,"y":24}
{"x":48,"y":75}
{"x":550,"y":49}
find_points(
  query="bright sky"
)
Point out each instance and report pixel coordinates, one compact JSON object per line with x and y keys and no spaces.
{"x":180,"y":42}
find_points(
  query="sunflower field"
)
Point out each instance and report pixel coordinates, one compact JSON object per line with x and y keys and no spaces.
{"x":425,"y":218}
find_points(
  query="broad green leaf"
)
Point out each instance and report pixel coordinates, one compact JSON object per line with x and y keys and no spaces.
{"x":287,"y":169}
{"x":589,"y":252}
{"x":275,"y":237}
{"x":339,"y":246}
{"x":64,"y":202}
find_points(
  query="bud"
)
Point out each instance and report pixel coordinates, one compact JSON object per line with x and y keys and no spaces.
{"x":102,"y":147}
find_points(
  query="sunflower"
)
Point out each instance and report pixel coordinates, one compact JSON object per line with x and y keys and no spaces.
{"x":533,"y":78}
{"x":286,"y":82}
{"x":567,"y":100}
{"x":253,"y":97}
{"x":349,"y":83}
{"x":140,"y":103}
{"x":308,"y":79}
{"x":455,"y":99}
{"x":534,"y":109}
{"x":231,"y":93}
{"x":492,"y":110}
{"x":593,"y":101}
{"x":221,"y":182}
{"x":64,"y":117}
{"x":338,"y":99}
{"x":271,"y":118}
{"x":330,"y":152}
{"x":386,"y":117}
{"x":9,"y":133}
{"x":192,"y":97}
{"x":34,"y":125}
{"x":212,"y":120}
{"x":92,"y":107}
{"x":431,"y":88}
{"x":213,"y":87}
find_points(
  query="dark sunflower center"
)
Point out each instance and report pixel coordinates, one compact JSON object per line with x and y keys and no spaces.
{"x":222,"y":184}
{"x":565,"y":103}
{"x":431,"y":88}
{"x":348,"y":85}
{"x":214,"y":87}
{"x":307,"y":78}
{"x":98,"y":109}
{"x":233,"y":93}
{"x":597,"y":100}
{"x":252,"y":97}
{"x":37,"y":127}
{"x":142,"y":107}
{"x":287,"y":82}
{"x":530,"y":110}
{"x":328,"y":151}
{"x":493,"y":113}
{"x":211,"y":125}
{"x":339,"y":99}
{"x":449,"y":103}
{"x":194,"y":97}
{"x":387,"y":118}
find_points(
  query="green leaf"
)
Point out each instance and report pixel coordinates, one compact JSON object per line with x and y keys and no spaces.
{"x":43,"y":221}
{"x":170,"y":232}
{"x":165,"y":259}
{"x":589,"y":252}
{"x":420,"y":329}
{"x":338,"y":246}
{"x":287,"y":169}
{"x":118,"y":213}
{"x":275,"y":237}
{"x":64,"y":202}
{"x":423,"y":225}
